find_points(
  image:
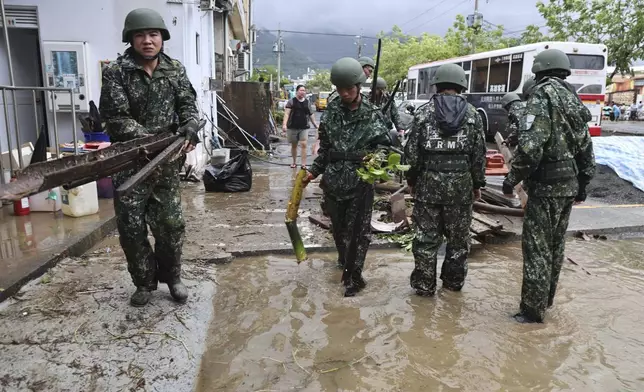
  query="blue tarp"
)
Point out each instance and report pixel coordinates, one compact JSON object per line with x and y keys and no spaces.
{"x":623,"y":154}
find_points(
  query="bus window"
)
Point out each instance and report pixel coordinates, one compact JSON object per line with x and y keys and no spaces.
{"x":467,"y":66}
{"x":516,"y":71}
{"x":411,"y":89}
{"x":499,"y":69}
{"x":479,"y":75}
{"x":586,"y":61}
{"x":591,"y":89}
{"x":467,"y":81}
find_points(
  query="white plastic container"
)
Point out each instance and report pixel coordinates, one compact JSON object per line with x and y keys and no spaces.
{"x":80,"y":201}
{"x":41,"y":203}
{"x":220,"y":156}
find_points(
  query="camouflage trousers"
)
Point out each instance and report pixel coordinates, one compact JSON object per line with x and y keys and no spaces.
{"x":351,"y":226}
{"x":432,"y":222}
{"x":543,"y":244}
{"x":155,"y":202}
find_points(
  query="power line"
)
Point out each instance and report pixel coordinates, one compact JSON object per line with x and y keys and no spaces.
{"x":438,"y":16}
{"x":419,"y":15}
{"x":320,"y":33}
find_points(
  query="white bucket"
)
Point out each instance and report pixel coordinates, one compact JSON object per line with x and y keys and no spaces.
{"x":80,"y":201}
{"x":44,"y":202}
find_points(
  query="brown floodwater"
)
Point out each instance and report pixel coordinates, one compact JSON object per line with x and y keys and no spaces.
{"x":278,"y":326}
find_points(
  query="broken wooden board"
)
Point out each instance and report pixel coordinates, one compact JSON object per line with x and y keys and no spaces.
{"x":321,"y":221}
{"x":498,"y":198}
{"x":480,"y":229}
{"x":85,"y":168}
{"x":487,"y":221}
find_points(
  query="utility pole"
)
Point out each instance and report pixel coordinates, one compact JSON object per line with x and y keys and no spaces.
{"x":474,"y":22}
{"x":359,"y":44}
{"x":279,"y":48}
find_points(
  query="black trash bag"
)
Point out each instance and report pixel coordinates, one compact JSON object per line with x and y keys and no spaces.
{"x":236,"y":175}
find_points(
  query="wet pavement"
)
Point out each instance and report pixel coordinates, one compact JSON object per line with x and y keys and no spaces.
{"x":280,"y":327}
{"x":31,"y":244}
{"x":267,"y":324}
{"x":623,"y":127}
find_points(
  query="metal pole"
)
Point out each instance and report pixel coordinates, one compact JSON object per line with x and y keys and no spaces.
{"x":476,"y":12}
{"x":36,"y":115}
{"x":53,"y":111}
{"x":71,"y":96}
{"x":225,"y":78}
{"x":13,"y":83}
{"x":279,"y":60}
{"x":6,"y":121}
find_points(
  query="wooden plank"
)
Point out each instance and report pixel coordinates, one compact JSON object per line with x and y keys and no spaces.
{"x":487,"y":221}
{"x":496,"y":197}
{"x":86,"y":167}
{"x":479,"y":228}
{"x":321,"y":221}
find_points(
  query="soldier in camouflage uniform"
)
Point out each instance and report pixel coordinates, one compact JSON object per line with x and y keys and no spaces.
{"x":446,"y":151}
{"x":555,"y":159}
{"x":511,"y":102}
{"x":351,"y":129}
{"x":368,"y":66}
{"x":146,"y":92}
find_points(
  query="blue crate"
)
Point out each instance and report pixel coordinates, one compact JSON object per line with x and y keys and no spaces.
{"x":96,"y":137}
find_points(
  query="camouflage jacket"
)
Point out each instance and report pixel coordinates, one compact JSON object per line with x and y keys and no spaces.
{"x":344,"y":131}
{"x":515,"y":113}
{"x":134,"y":104}
{"x":446,"y":151}
{"x":555,"y":153}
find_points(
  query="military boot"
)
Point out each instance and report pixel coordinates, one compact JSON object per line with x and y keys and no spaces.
{"x":178,"y":291}
{"x":141,"y":297}
{"x":355,"y":284}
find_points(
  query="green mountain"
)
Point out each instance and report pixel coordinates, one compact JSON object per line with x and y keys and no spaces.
{"x":302,"y":51}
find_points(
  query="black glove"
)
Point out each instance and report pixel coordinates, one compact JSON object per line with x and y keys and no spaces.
{"x":189,"y":131}
{"x":508,"y":189}
{"x":581,"y":194}
{"x":512,"y":140}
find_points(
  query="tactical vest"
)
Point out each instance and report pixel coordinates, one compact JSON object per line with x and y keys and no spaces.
{"x":446,"y":154}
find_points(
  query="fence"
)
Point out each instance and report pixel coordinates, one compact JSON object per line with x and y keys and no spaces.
{"x":51,"y":97}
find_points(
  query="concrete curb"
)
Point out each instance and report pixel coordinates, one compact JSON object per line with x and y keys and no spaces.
{"x":74,"y":249}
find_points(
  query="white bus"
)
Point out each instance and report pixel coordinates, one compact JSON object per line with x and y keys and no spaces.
{"x":492,"y":74}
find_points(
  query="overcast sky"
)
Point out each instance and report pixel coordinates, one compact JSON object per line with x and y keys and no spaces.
{"x":413,"y":16}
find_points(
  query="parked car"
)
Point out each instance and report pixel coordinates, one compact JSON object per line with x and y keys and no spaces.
{"x":320,"y":103}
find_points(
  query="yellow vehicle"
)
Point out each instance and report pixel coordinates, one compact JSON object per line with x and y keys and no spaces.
{"x":320,"y":103}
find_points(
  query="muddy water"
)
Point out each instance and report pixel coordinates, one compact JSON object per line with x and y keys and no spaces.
{"x":280,"y":327}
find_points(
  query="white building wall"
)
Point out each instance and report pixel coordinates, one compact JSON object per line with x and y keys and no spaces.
{"x":100,"y":24}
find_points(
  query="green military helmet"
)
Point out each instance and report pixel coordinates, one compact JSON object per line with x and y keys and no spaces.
{"x":450,"y":73}
{"x":509,"y":98}
{"x":528,"y":88}
{"x":364,"y":60}
{"x":347,"y":72}
{"x":381,"y":83}
{"x":144,"y":19}
{"x":551,"y":59}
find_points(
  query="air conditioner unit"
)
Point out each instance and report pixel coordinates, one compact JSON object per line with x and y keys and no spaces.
{"x":207,"y":5}
{"x":243,"y":61}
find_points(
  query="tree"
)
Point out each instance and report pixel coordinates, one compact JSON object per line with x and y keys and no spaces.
{"x":268,"y":73}
{"x":617,"y":24}
{"x":321,"y":80}
{"x":401,"y":51}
